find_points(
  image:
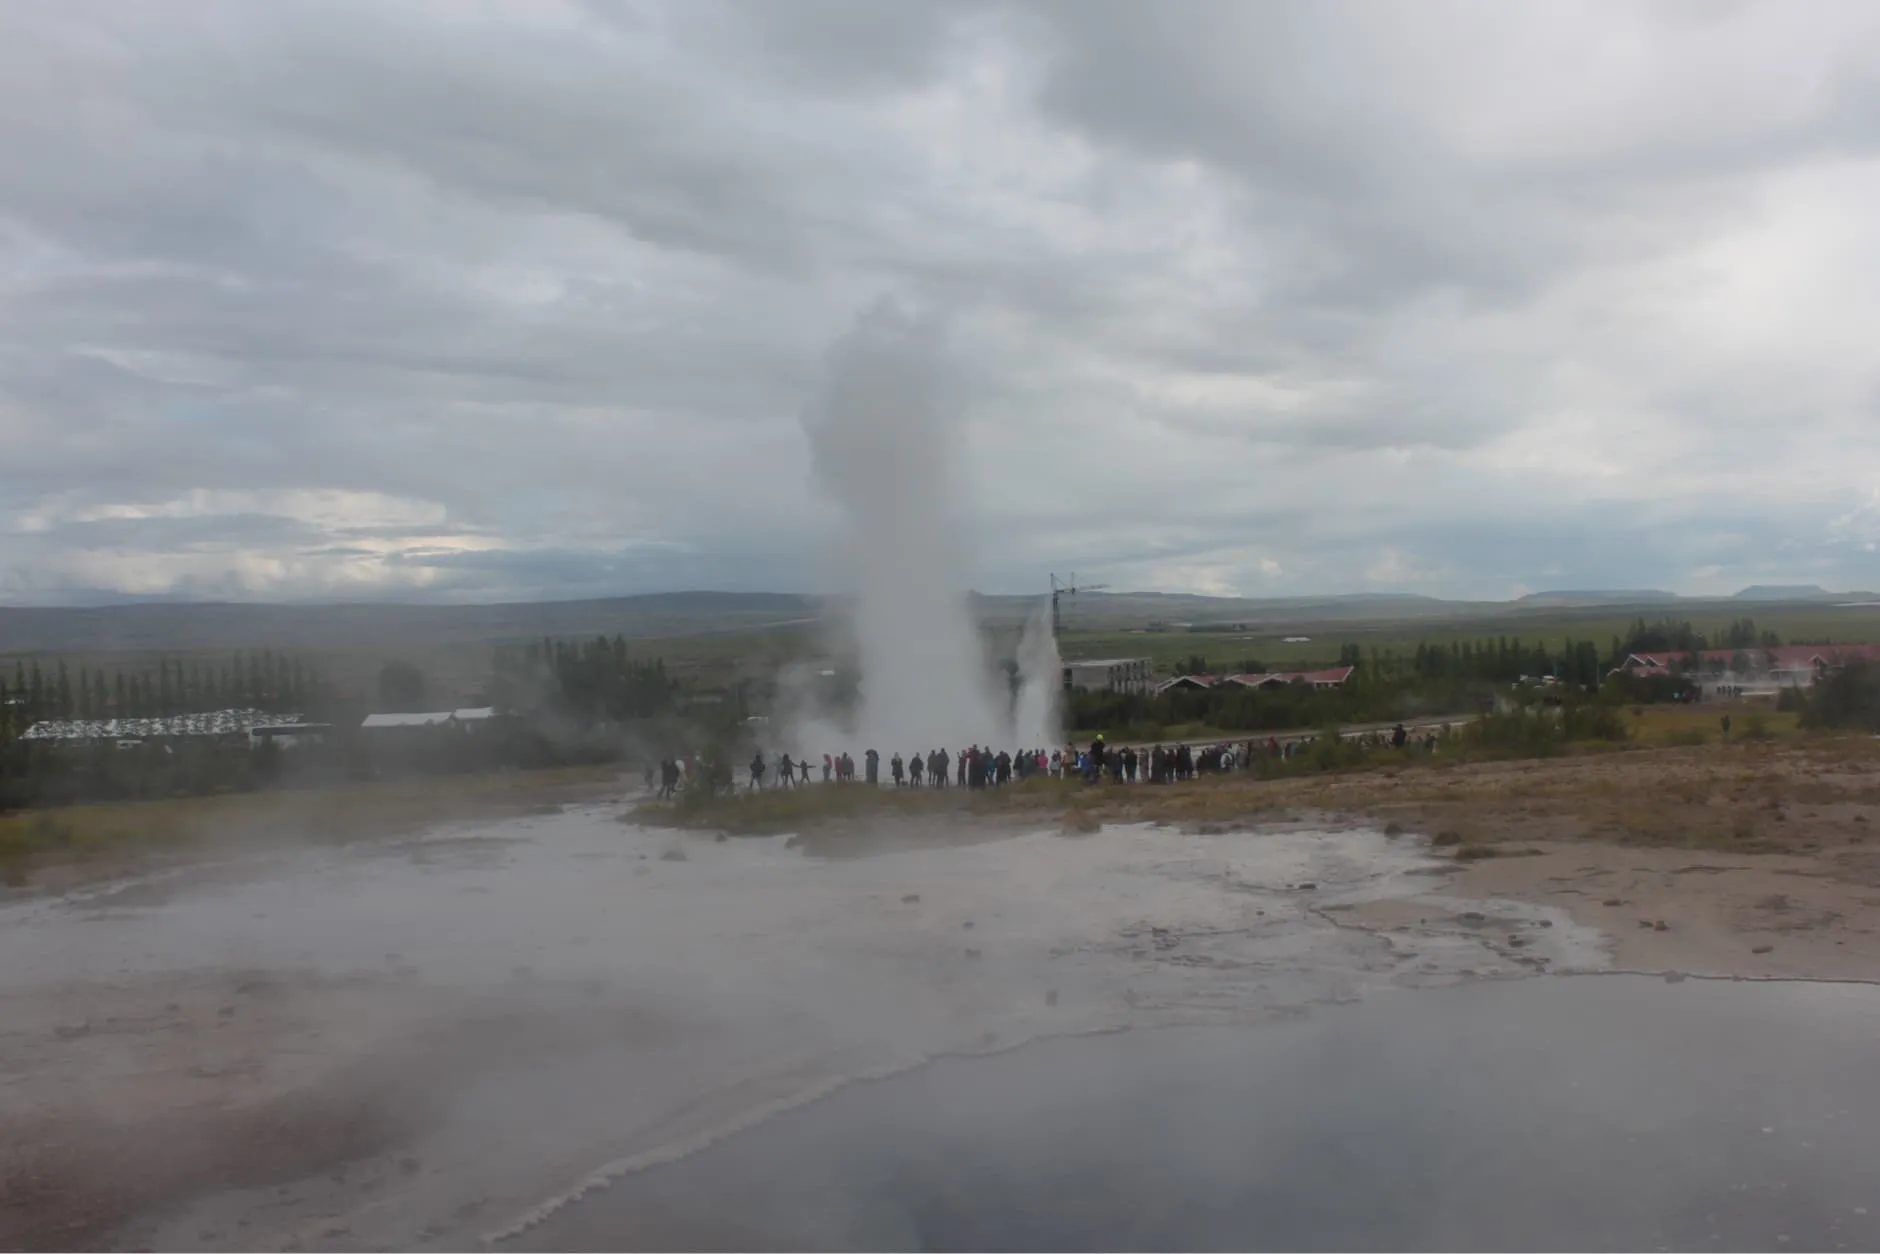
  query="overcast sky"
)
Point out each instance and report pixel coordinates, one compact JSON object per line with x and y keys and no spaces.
{"x":465,"y":300}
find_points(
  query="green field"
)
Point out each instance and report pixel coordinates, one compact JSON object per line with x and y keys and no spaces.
{"x":1265,"y":643}
{"x":457,"y":668}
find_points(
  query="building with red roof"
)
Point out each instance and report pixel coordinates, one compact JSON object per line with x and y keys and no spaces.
{"x":1336,"y":677}
{"x":1797,"y":664}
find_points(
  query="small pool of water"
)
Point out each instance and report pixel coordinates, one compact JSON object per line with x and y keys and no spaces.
{"x":1597,"y":1112}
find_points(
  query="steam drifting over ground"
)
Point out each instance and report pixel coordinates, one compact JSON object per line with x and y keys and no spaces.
{"x":499,"y":1016}
{"x":884,"y":430}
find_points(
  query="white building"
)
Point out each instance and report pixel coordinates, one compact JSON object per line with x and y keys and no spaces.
{"x":433,"y":718}
{"x":1114,"y":674}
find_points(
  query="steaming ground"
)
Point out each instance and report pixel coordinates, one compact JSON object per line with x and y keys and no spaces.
{"x":427,"y":1042}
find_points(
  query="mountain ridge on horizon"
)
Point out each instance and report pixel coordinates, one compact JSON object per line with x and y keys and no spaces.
{"x":722,"y":598}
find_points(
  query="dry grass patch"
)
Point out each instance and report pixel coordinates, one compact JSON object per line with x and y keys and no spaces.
{"x":105,"y":836}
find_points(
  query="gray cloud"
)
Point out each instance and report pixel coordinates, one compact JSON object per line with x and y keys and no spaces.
{"x":406,"y":300}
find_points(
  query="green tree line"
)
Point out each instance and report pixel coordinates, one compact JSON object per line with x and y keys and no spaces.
{"x":586,"y":681}
{"x":571,"y":696}
{"x":1509,"y":659}
{"x":1496,"y":659}
{"x":262,"y":681}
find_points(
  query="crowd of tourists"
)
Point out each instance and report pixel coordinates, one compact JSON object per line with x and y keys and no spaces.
{"x":978,"y":766}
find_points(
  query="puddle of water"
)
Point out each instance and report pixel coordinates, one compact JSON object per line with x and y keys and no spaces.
{"x":1597,"y":1112}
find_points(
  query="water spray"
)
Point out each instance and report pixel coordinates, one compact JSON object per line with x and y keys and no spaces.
{"x":885,"y":428}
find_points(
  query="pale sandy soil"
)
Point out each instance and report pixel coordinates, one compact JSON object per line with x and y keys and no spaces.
{"x":1764,"y":916}
{"x":1748,"y":860}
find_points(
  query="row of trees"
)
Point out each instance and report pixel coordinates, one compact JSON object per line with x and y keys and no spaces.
{"x":574,"y":696}
{"x":1371,"y":696}
{"x":1389,"y":684}
{"x":587,"y":682}
{"x":1507,"y":659}
{"x":1501,"y":659}
{"x":265,"y":681}
{"x":40,"y":773}
{"x":1460,"y":675}
{"x":1672,"y":635}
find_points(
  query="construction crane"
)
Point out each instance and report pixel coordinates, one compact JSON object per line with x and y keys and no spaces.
{"x":1061,"y":588}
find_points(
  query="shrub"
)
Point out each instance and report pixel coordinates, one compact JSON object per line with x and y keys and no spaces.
{"x":1848,"y":696}
{"x":1593,"y":721}
{"x":1518,"y":732}
{"x":1330,"y":751}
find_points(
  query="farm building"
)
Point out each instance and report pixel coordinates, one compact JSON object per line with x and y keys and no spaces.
{"x":464,"y":718}
{"x":1336,"y":677}
{"x":1787,"y":666}
{"x":1187,"y":683}
{"x":1116,"y":674}
{"x":434,"y":740}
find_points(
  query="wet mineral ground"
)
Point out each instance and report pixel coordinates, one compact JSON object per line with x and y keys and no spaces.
{"x":571,"y":1031}
{"x":1571,"y":1113}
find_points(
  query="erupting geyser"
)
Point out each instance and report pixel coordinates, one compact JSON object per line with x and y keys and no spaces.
{"x":884,"y":429}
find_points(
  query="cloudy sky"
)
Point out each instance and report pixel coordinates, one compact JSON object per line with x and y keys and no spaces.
{"x":464,"y":300}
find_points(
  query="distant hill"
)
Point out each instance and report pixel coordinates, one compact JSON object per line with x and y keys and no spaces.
{"x":227,"y":626}
{"x":1111,"y":610}
{"x":1625,"y":596}
{"x":384,"y":629}
{"x":1790,"y":592}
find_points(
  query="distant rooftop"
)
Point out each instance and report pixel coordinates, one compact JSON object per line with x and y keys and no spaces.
{"x":431,"y":718}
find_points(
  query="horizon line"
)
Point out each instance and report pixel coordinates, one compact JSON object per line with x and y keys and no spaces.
{"x":1616,"y":596}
